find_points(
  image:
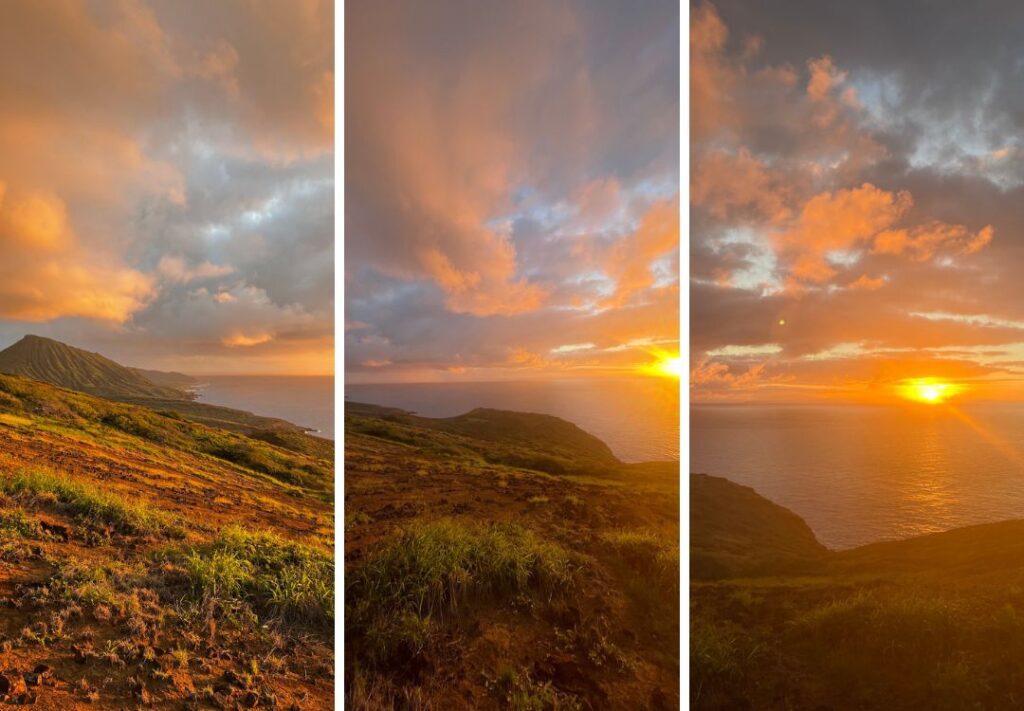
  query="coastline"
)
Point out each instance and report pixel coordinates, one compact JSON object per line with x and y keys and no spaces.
{"x":637,"y":417}
{"x":307,"y":403}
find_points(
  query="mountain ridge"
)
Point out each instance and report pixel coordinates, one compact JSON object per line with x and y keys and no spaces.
{"x":55,"y":363}
{"x":736,"y":532}
{"x":59,"y":364}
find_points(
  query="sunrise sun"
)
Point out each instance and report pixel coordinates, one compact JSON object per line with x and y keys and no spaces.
{"x":929,"y":390}
{"x":666,"y":365}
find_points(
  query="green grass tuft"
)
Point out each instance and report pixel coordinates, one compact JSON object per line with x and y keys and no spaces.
{"x":90,"y":503}
{"x":425,"y":572}
{"x":519,"y":692}
{"x":720,"y":655}
{"x":284,"y":579}
{"x":649,"y":554}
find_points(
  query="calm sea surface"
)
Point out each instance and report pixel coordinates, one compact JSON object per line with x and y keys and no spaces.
{"x":637,"y":418}
{"x":864,"y":474}
{"x":304,"y":400}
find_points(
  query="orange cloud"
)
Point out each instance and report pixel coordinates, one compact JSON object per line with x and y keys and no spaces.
{"x":825,"y":80}
{"x":448,"y":155}
{"x":245,"y":340}
{"x":725,"y":183}
{"x":710,"y":374}
{"x":840,"y":220}
{"x":36,"y":221}
{"x":596,"y":202}
{"x":46,"y":272}
{"x":924,"y":242}
{"x":712,"y":78}
{"x":113,"y":118}
{"x":629,"y":260}
{"x":175,"y":269}
{"x":863,"y":216}
{"x":524,"y":358}
{"x":502,"y":166}
{"x":867,"y":283}
{"x":282,"y":107}
{"x":467,"y":292}
{"x":847,"y":212}
{"x":70,"y":165}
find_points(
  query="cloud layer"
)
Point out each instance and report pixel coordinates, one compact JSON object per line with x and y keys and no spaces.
{"x":855,"y":181}
{"x":165,"y":180}
{"x":511,"y":187}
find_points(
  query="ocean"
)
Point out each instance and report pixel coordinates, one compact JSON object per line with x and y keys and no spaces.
{"x":862,"y":474}
{"x":304,"y":400}
{"x":638,"y":418}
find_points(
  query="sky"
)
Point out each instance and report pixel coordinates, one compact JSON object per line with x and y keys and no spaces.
{"x":166,"y":181}
{"x":857,"y":176}
{"x":511,"y":189}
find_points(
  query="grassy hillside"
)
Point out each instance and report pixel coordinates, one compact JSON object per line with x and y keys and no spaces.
{"x":533,"y":441}
{"x":932,"y":622}
{"x":227,"y":418}
{"x":288,"y":463}
{"x":493,"y":563}
{"x":148,"y":560}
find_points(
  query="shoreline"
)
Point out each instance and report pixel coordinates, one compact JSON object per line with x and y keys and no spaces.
{"x":860,"y":546}
{"x":636,"y":418}
{"x":198,"y":392}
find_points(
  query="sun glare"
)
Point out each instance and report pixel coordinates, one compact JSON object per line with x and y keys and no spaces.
{"x":667,"y":365}
{"x":929,"y":390}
